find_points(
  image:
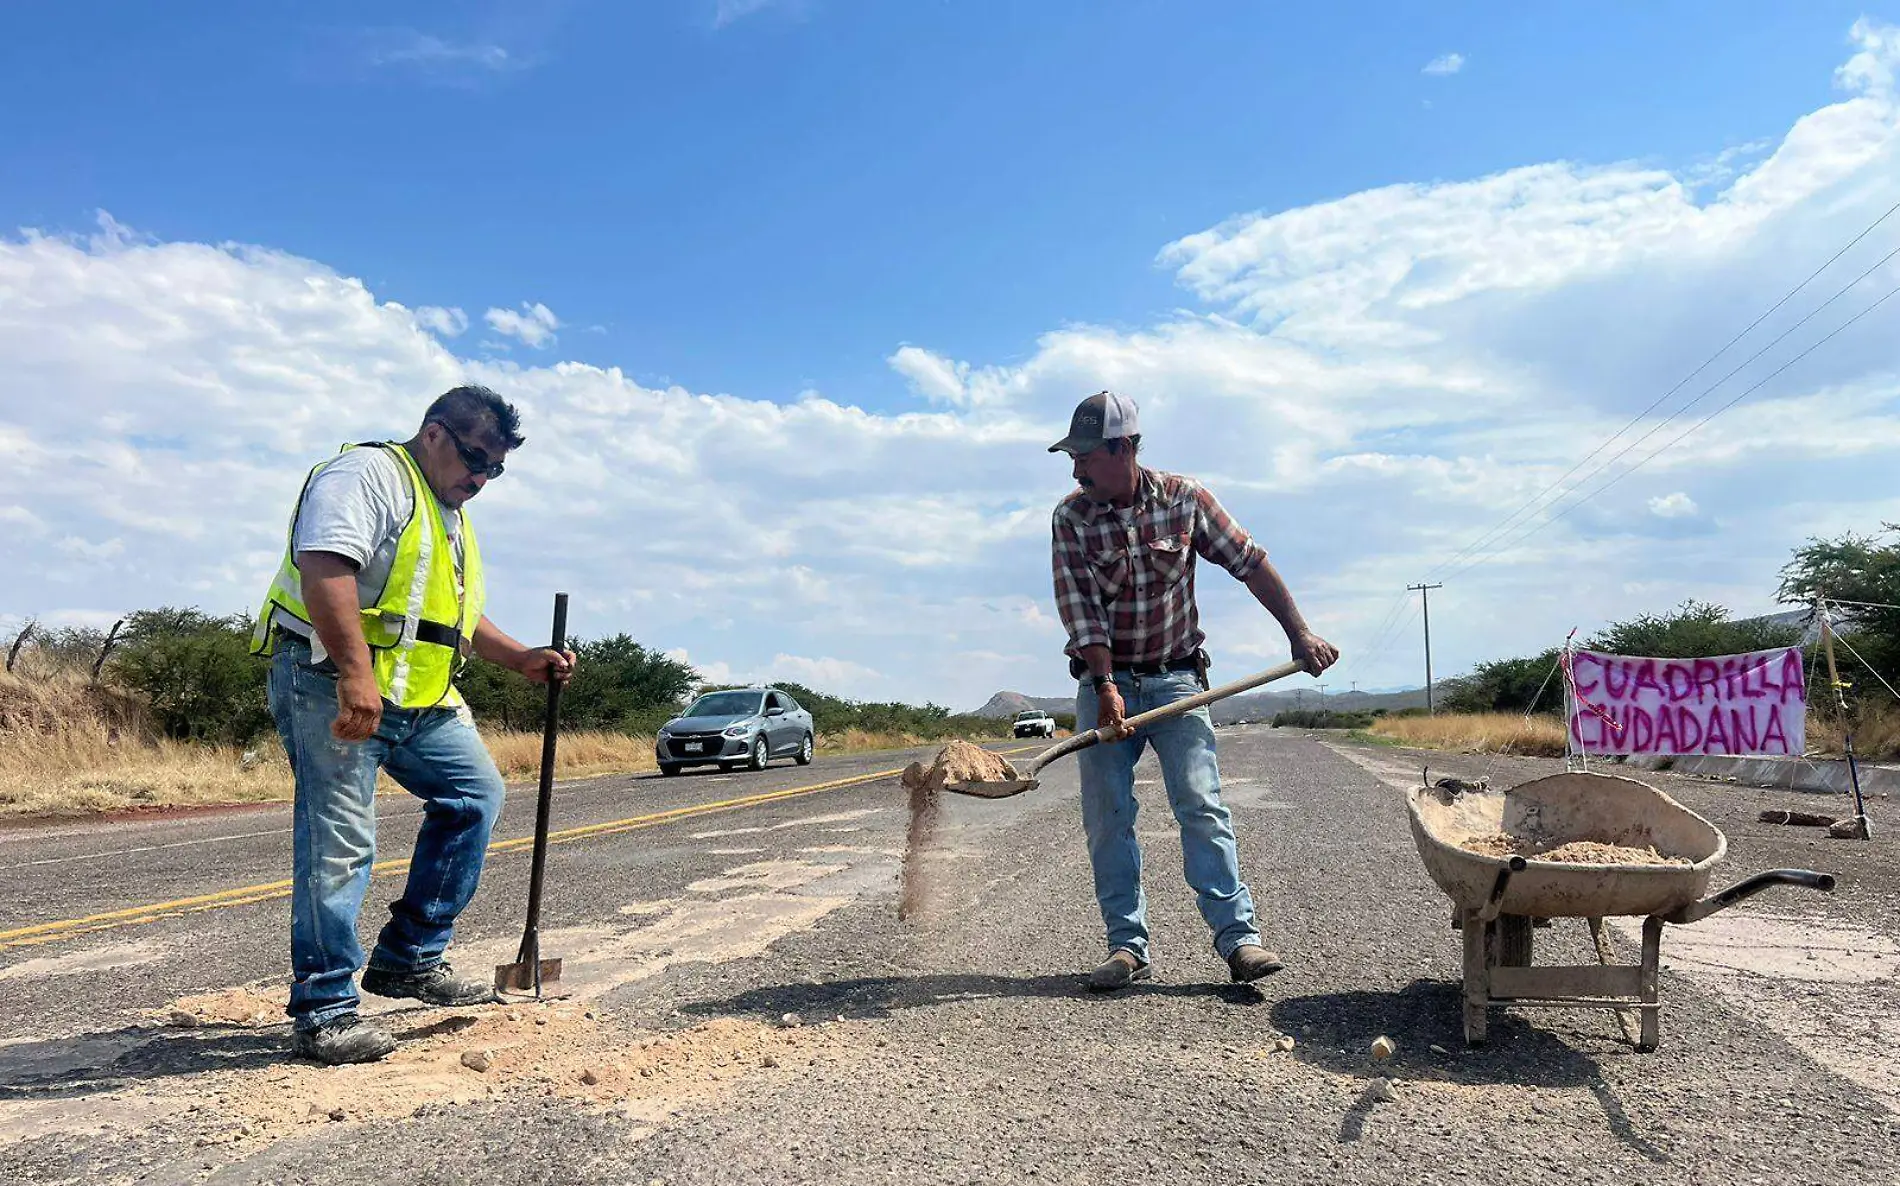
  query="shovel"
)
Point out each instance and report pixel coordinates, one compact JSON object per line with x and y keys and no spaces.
{"x":1025,"y":780}
{"x":529,"y":972}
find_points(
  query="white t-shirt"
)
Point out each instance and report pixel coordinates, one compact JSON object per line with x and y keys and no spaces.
{"x":356,"y":508}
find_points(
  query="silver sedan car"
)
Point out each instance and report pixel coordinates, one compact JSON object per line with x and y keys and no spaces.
{"x":738,"y":727}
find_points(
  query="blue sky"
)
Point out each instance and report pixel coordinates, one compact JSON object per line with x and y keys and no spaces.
{"x":792,"y":292}
{"x":769,"y":202}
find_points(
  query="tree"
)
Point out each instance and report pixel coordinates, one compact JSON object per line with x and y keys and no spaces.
{"x":1507,"y":685}
{"x":618,"y":686}
{"x":197,"y":674}
{"x":1692,"y":630}
{"x":1858,"y":568}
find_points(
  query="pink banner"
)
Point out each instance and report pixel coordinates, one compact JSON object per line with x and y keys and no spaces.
{"x":1730,"y":704}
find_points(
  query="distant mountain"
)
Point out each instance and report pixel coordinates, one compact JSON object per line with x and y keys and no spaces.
{"x":1252,"y":706}
{"x":1008,"y":704}
{"x":1260,"y":706}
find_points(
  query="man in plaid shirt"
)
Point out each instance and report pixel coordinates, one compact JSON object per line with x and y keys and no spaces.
{"x":1124,"y":548}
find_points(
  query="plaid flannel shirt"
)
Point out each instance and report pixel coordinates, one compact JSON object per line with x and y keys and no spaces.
{"x":1125,"y":578}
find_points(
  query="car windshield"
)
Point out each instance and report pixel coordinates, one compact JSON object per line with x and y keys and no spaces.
{"x":1027,"y":713}
{"x":726,"y":704}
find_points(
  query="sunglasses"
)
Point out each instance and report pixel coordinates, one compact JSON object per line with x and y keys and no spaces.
{"x":476,"y":462}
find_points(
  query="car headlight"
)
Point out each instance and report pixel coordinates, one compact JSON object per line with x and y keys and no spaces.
{"x":738,"y":730}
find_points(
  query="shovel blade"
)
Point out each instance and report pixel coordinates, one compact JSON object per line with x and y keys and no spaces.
{"x":1000,"y":789}
{"x":520,"y":977}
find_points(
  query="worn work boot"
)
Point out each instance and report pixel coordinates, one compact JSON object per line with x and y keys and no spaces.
{"x":436,"y":984}
{"x":1251,"y":961}
{"x":1119,"y":970}
{"x":344,"y":1039}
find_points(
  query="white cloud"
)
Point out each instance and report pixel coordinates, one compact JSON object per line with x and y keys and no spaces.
{"x":1673,"y":506}
{"x":839,"y":677}
{"x":725,"y":12}
{"x":932,"y":376}
{"x":87,"y":549}
{"x":436,"y":56}
{"x":1445,"y":64}
{"x":533,"y":324}
{"x":1367,"y":384}
{"x":450,"y":323}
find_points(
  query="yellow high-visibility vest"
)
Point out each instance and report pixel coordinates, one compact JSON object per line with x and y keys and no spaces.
{"x":422,"y":625}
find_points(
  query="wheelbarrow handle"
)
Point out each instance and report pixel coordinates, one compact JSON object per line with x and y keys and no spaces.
{"x":1084,"y":738}
{"x":1748,"y":888}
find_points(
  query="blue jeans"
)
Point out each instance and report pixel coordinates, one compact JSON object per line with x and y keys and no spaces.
{"x":436,"y":755}
{"x":1189,"y":769}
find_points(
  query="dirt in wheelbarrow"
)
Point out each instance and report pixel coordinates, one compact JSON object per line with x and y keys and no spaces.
{"x":1575,"y":852}
{"x":959,"y":761}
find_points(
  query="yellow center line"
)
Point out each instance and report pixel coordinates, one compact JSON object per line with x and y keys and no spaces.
{"x":249,"y":895}
{"x":47,"y":932}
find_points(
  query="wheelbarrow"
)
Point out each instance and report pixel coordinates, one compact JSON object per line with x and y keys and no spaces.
{"x":1496,"y":900}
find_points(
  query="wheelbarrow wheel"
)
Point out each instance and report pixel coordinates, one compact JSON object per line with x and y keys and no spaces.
{"x":1514,"y":941}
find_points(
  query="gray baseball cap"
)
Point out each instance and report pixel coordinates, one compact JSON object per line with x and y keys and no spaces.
{"x":1104,"y":416}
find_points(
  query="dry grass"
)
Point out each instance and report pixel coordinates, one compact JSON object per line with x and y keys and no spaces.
{"x":518,"y":755}
{"x":1477,"y":733}
{"x":71,"y":749}
{"x":1876,"y":733}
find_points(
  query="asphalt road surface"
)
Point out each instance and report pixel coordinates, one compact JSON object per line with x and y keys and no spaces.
{"x":746,"y":1007}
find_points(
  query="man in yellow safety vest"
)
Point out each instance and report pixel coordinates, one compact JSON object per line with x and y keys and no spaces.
{"x":375,"y":608}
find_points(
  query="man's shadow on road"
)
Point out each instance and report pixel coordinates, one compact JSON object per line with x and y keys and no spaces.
{"x":1334,"y":1031}
{"x":887,"y":996}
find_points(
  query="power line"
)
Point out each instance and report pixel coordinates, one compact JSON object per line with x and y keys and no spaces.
{"x":1673,"y":441}
{"x":1390,"y":625}
{"x":1529,"y":505}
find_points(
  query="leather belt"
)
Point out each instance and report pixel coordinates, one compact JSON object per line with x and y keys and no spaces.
{"x":1160,"y":666}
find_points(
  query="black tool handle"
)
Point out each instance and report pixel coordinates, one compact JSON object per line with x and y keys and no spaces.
{"x":1748,"y":888}
{"x":531,"y":937}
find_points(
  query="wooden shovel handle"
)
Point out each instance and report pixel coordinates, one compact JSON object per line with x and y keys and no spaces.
{"x":1087,"y":737}
{"x":1290,"y":667}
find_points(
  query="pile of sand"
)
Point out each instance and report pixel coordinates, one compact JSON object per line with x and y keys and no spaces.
{"x":960,"y":761}
{"x":1575,"y":852}
{"x":233,"y":1006}
{"x":957,"y":762}
{"x":491,"y":1051}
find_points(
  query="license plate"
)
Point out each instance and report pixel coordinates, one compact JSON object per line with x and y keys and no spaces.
{"x":694,"y":747}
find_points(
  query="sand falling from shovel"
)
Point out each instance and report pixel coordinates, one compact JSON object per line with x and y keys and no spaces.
{"x":957,"y":762}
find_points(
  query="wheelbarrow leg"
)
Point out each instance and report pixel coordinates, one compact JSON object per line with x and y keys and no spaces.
{"x":1606,"y":956}
{"x":1477,"y":976}
{"x":1514,"y":941}
{"x":1648,"y":980}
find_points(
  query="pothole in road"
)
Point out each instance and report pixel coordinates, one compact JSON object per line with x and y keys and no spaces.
{"x":98,"y":959}
{"x":776,"y":875}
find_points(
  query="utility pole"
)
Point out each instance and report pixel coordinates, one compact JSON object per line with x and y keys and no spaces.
{"x":1861,"y":830}
{"x":1425,"y":599}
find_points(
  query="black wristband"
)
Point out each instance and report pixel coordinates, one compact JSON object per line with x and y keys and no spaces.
{"x":1098,"y":682}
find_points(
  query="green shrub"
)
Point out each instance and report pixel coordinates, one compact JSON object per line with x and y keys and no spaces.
{"x":618,"y":686}
{"x":196,"y":672}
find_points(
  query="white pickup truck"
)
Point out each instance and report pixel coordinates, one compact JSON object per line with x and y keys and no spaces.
{"x":1033,"y":722}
